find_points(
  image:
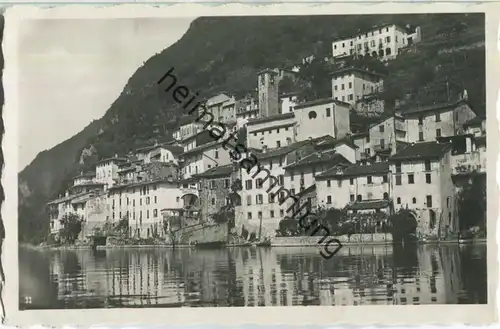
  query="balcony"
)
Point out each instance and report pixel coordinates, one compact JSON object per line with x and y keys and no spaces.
{"x":468,"y":163}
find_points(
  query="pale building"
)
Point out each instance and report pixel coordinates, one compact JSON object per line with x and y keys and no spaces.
{"x":247,"y":108}
{"x":322,"y":117}
{"x":260,"y":209}
{"x":163,"y":153}
{"x":228,"y":111}
{"x":353,"y":84}
{"x":426,"y":123}
{"x":421,"y":180}
{"x":343,"y":185}
{"x":288,"y":101}
{"x":271,"y":132}
{"x":476,"y":126}
{"x":140,"y":205}
{"x":215,"y":105}
{"x":383,"y":42}
{"x":204,"y":157}
{"x":107,"y":171}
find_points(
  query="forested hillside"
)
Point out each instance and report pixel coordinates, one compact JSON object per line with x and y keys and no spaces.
{"x":224,"y":54}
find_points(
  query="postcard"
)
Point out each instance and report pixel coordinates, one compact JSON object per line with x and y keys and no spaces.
{"x":242,"y":164}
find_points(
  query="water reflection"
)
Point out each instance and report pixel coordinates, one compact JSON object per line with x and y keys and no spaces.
{"x":359,"y":275}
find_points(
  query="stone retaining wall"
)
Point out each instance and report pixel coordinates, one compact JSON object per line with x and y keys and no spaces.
{"x":344,"y":239}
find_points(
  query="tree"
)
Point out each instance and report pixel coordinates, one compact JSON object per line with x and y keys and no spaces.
{"x":472,"y":204}
{"x":171,"y":225}
{"x":71,"y":227}
{"x":403,"y":224}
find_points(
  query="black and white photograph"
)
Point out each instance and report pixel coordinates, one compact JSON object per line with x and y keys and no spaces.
{"x":252,"y":161}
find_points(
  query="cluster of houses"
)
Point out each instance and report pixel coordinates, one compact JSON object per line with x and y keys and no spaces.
{"x":410,"y":158}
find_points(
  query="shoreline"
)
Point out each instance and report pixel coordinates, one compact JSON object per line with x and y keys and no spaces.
{"x":288,"y":245}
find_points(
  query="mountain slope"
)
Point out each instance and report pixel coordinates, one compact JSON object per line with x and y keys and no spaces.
{"x":224,"y":54}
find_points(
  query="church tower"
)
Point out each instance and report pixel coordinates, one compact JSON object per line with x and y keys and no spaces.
{"x":268,"y":81}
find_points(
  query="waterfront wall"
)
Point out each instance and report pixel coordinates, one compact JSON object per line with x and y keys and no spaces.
{"x":344,"y":239}
{"x":200,"y":234}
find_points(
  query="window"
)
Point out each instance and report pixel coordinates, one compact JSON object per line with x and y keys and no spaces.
{"x":350,"y":97}
{"x":270,"y":164}
{"x":277,"y":131}
{"x":258,"y":183}
{"x":398,"y":179}
{"x":226,"y":183}
{"x":328,"y":112}
{"x":350,"y":85}
{"x":282,"y":213}
{"x":271,"y":198}
{"x":328,"y":183}
{"x":351,"y":181}
{"x":156,"y":199}
{"x":414,"y":200}
{"x":292,"y":191}
{"x":335,"y":88}
{"x":249,"y":200}
{"x":290,"y":108}
{"x":213,"y":201}
{"x":291,"y":176}
{"x":329,"y":199}
{"x":448,"y":199}
{"x":429,"y":201}
{"x":351,"y":197}
{"x":343,"y":87}
{"x":420,"y":135}
{"x":216,"y":154}
{"x":398,"y":167}
{"x":411,"y":179}
{"x":271,"y":213}
{"x":438,"y":133}
{"x":428,"y":178}
{"x":382,"y":143}
{"x":249,"y":215}
{"x":381,"y":129}
{"x":384,"y":178}
{"x":438,"y":117}
{"x":258,"y":199}
{"x":248,"y":184}
{"x":385,"y":196}
{"x":421,"y":120}
{"x":278,"y":144}
{"x":398,"y":200}
{"x":281,"y":179}
{"x":388,"y":39}
{"x":312,"y":115}
{"x":368,"y":138}
{"x":359,"y":197}
{"x":343,"y":98}
{"x":369,"y":179}
{"x":427,"y":165}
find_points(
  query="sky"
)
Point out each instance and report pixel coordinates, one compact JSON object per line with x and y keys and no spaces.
{"x":70,"y":71}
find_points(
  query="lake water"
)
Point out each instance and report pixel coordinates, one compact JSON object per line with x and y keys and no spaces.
{"x":357,"y":275}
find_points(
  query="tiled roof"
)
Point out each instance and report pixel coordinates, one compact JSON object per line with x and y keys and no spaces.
{"x":430,"y":108}
{"x":271,"y":118}
{"x":357,"y":170}
{"x":368,"y":204}
{"x":217,"y":99}
{"x":285,"y":125}
{"x":476,"y":121}
{"x":330,"y":142}
{"x":355,"y":69}
{"x":286,"y":149}
{"x":330,"y":157}
{"x":423,"y":150}
{"x":319,"y":102}
{"x":308,"y":190}
{"x":380,"y":120}
{"x":117,"y":159}
{"x":481,"y":140}
{"x":216,"y":172}
{"x":201,"y":148}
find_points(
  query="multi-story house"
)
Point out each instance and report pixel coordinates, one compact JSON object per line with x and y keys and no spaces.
{"x":271,"y":132}
{"x":426,"y":123}
{"x":204,"y":157}
{"x":260,"y":209}
{"x":268,"y":89}
{"x":353,"y":84}
{"x":107,"y":171}
{"x":228,"y":111}
{"x":247,"y":108}
{"x":288,"y":101}
{"x":215,"y":190}
{"x":140,"y":204}
{"x":421,"y":179}
{"x":215,"y":105}
{"x":322,"y":117}
{"x":383,"y":42}
{"x":367,"y":186}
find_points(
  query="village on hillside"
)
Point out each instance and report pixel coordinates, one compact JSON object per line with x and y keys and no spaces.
{"x":411,"y":167}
